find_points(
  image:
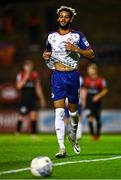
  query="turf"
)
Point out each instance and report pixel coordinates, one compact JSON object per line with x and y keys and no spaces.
{"x":17,"y":152}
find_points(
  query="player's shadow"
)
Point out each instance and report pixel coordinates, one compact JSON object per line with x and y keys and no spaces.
{"x":68,"y":156}
{"x":89,"y":154}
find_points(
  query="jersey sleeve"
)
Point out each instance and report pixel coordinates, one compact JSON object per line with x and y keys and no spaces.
{"x":103,"y":83}
{"x":18,"y":77}
{"x":48,"y":45}
{"x":83,"y":43}
{"x":35,"y":76}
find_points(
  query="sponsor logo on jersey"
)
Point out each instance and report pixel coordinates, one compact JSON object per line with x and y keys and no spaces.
{"x":85,"y":41}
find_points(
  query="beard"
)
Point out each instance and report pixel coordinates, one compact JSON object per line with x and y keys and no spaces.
{"x":64,"y":27}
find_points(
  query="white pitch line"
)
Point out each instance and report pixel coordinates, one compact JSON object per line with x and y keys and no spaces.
{"x":87,"y":161}
{"x":64,"y":163}
{"x":15,"y":170}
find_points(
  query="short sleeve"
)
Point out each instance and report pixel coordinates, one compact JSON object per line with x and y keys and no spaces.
{"x":104,"y":83}
{"x":48,"y":45}
{"x":83,"y":43}
{"x":18,"y":77}
{"x":35,"y":76}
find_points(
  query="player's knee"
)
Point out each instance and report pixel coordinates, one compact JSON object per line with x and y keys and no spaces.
{"x":73,"y":114}
{"x":59,"y":104}
{"x":72,"y":108}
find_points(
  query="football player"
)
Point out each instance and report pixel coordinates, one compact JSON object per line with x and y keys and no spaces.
{"x":63,"y":50}
{"x":95,"y":89}
{"x":28,"y":84}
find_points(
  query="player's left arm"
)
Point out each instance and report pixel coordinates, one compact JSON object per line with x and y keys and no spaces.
{"x":89,"y":53}
{"x":83,"y":47}
{"x":48,"y":51}
{"x":40,"y":94}
{"x":102,"y":93}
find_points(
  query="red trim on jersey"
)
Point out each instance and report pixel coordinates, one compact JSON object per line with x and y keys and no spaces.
{"x":34,"y":75}
{"x":97,"y":83}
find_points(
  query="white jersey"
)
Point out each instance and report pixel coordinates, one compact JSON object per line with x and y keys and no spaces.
{"x":56,"y":44}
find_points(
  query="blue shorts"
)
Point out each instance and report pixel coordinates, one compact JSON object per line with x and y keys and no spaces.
{"x":65,"y":85}
{"x":67,"y":111}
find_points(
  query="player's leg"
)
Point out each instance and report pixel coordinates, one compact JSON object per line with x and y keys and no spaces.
{"x":22,"y":112}
{"x":98,"y":122}
{"x":73,"y":112}
{"x":90,"y":118}
{"x":79,"y":129}
{"x":73,"y":100}
{"x":96,"y":116}
{"x":74,"y":124}
{"x":19,"y":123}
{"x":90,"y":123}
{"x":33,"y":120}
{"x":60,"y":126}
{"x":67,"y":121}
{"x":58,"y":96}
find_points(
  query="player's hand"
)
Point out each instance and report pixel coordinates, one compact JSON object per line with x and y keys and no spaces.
{"x":70,"y":47}
{"x":46,"y":55}
{"x":95,"y":98}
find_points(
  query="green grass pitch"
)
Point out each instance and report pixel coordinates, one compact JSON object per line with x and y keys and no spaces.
{"x":17,"y":152}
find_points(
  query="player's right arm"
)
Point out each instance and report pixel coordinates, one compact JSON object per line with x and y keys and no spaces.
{"x":47,"y":53}
{"x":21,"y":81}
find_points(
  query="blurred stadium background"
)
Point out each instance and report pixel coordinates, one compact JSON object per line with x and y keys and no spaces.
{"x":23,"y":29}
